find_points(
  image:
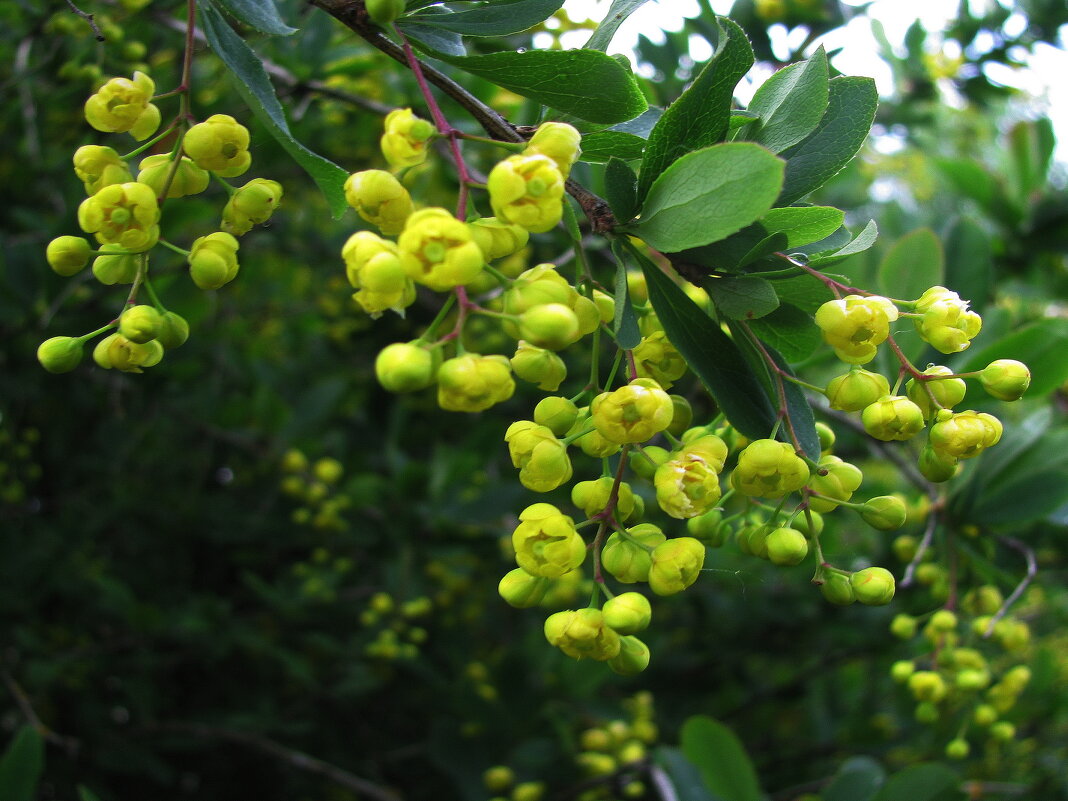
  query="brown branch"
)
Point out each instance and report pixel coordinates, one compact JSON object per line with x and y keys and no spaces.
{"x":89,"y":18}
{"x":1032,"y":571}
{"x":289,"y":756}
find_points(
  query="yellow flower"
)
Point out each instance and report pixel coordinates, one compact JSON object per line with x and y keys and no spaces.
{"x":219,"y":144}
{"x":687,"y":484}
{"x":546,"y":542}
{"x":632,"y":413}
{"x":98,"y":167}
{"x":582,"y":634}
{"x":379,"y":198}
{"x":855,"y":326}
{"x":676,"y":564}
{"x":892,"y":417}
{"x":839,"y":484}
{"x":373,"y":267}
{"x":405,"y":140}
{"x":473,"y":383}
{"x":213,"y":260}
{"x":527,"y":190}
{"x":436,"y":250}
{"x":769,"y":469}
{"x":947,"y":323}
{"x":559,"y":141}
{"x":541,"y":458}
{"x":656,"y":358}
{"x":122,"y":214}
{"x":251,"y":204}
{"x":628,"y":559}
{"x":539,"y":366}
{"x":189,"y":179}
{"x":123,"y":104}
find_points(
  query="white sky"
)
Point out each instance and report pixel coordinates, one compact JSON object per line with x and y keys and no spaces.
{"x":1044,"y":81}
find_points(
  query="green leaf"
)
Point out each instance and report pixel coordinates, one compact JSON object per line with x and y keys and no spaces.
{"x":719,"y":756}
{"x":789,"y":331}
{"x":925,"y":782}
{"x":684,"y":777}
{"x":433,"y":39}
{"x":804,"y":224}
{"x":259,"y":14}
{"x":495,"y":18}
{"x":805,"y":291}
{"x":604,"y":145}
{"x":708,"y":195}
{"x":914,"y":264}
{"x":863,"y":241}
{"x":255,"y":88}
{"x":790,"y":103}
{"x":710,"y":353}
{"x":625,"y":323}
{"x":85,"y":794}
{"x":742,"y":297}
{"x":972,"y":180}
{"x":702,"y":113}
{"x":22,"y":765}
{"x":1040,"y":346}
{"x":799,"y":411}
{"x":585,"y":83}
{"x":859,"y":779}
{"x":969,"y":262}
{"x":621,"y":189}
{"x":845,"y":125}
{"x":617,"y":14}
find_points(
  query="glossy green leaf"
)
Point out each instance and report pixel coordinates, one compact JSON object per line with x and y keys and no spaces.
{"x":969,"y":262}
{"x":742,"y":297}
{"x":720,"y":757}
{"x":845,"y":125}
{"x":915,"y":263}
{"x":702,"y":113}
{"x":863,"y":241}
{"x":585,"y":83}
{"x":971,"y":179}
{"x":684,"y":778}
{"x":804,"y":291}
{"x":925,"y":782}
{"x":428,"y":37}
{"x":259,"y":14}
{"x":621,"y":189}
{"x":859,"y":779}
{"x":493,"y":18}
{"x":790,"y":331}
{"x":255,"y":88}
{"x":802,"y":421}
{"x":1041,"y":346}
{"x":599,"y":147}
{"x":625,"y":324}
{"x":790,"y":103}
{"x":21,"y":765}
{"x":616,"y":16}
{"x":708,"y":195}
{"x":710,"y":353}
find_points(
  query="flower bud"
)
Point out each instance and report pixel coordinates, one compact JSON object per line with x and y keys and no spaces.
{"x":219,"y":144}
{"x":474,"y":383}
{"x":122,"y":104}
{"x":1005,"y":379}
{"x":383,"y":12}
{"x":935,"y":466}
{"x":497,"y":239}
{"x":873,"y":586}
{"x":173,"y":330}
{"x":948,"y":392}
{"x":947,"y":324}
{"x":903,"y":626}
{"x":957,"y":748}
{"x":926,"y":685}
{"x":118,"y":269}
{"x":676,"y":564}
{"x":213,"y":260}
{"x":837,"y":589}
{"x":787,"y":546}
{"x":626,"y":559}
{"x":189,"y":179}
{"x":60,"y":354}
{"x":559,"y":141}
{"x":592,"y":497}
{"x":404,"y":367}
{"x":546,"y":543}
{"x":633,"y":657}
{"x":541,"y":458}
{"x":810,"y":524}
{"x":379,"y":198}
{"x":436,"y":250}
{"x":644,"y":462}
{"x":119,"y":353}
{"x":98,"y":166}
{"x":591,"y":443}
{"x":68,"y":255}
{"x":687,"y":484}
{"x":582,"y":635}
{"x":838,"y":484}
{"x":140,"y":324}
{"x":1002,"y":730}
{"x":708,"y":528}
{"x":892,"y":417}
{"x":901,"y":670}
{"x":373,"y":267}
{"x":963,"y":435}
{"x":521,"y":590}
{"x":656,"y":358}
{"x":252,"y":204}
{"x":404,"y":142}
{"x":852,"y":391}
{"x":884,"y":512}
{"x":527,"y":190}
{"x":554,"y":412}
{"x":627,"y":613}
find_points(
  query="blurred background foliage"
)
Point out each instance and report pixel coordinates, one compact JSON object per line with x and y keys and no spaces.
{"x":252,"y":573}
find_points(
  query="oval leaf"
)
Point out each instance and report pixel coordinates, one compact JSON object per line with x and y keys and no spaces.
{"x":914,"y":264}
{"x":497,"y":18}
{"x":718,"y":754}
{"x":790,"y":103}
{"x":709,"y":194}
{"x":259,"y":14}
{"x":742,"y":297}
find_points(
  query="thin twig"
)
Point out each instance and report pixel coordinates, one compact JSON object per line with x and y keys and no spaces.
{"x":1032,"y":571}
{"x":68,"y":744}
{"x":664,"y":788}
{"x":289,"y":756}
{"x":921,"y":549}
{"x":89,"y":18}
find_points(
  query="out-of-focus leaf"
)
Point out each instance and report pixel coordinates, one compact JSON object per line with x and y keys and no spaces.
{"x":616,"y":16}
{"x":915,"y":263}
{"x":259,"y":14}
{"x":720,"y":757}
{"x":21,"y":765}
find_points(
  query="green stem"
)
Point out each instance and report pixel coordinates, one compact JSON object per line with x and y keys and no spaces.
{"x":446,"y":307}
{"x":86,"y":337}
{"x":175,"y":248}
{"x":161,"y":135}
{"x":153,"y":296}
